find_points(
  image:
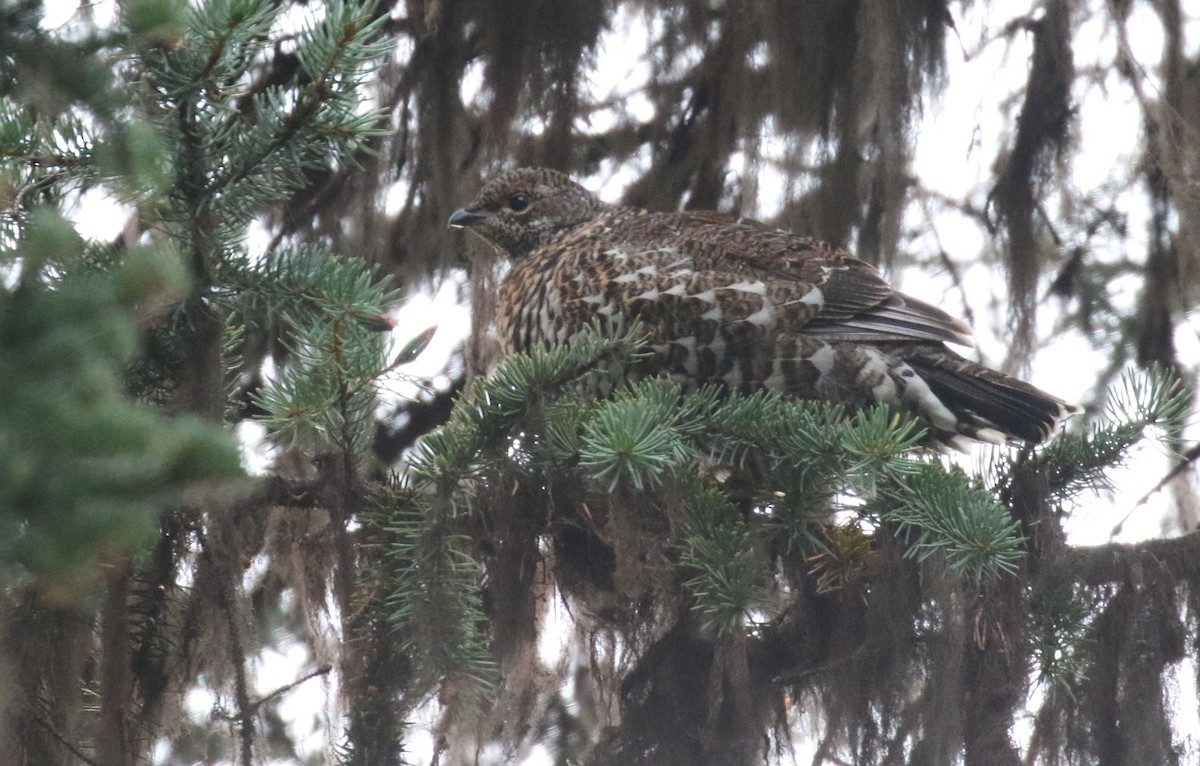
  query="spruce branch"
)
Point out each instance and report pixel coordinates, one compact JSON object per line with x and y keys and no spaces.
{"x":1141,"y":404}
{"x":742,"y":424}
{"x":634,"y":436}
{"x":726,"y":579}
{"x":1061,"y":624}
{"x":435,"y":605}
{"x":523,"y":383}
{"x":727,"y":572}
{"x":306,"y":281}
{"x":946,"y":513}
{"x":336,"y":54}
{"x":562,"y":438}
{"x":446,"y":457}
{"x":881,"y":441}
{"x":332,"y":308}
{"x":843,"y":551}
{"x":1154,"y":398}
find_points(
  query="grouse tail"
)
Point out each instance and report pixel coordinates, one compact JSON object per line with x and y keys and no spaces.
{"x":989,"y":405}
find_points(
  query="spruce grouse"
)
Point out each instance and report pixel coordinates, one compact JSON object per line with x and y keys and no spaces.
{"x":740,"y":304}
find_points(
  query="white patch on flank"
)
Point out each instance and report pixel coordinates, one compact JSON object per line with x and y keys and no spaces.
{"x":774,"y":381}
{"x":765,"y":316}
{"x":682,"y":263}
{"x":756,"y":287}
{"x":717,"y":346}
{"x":594,"y":299}
{"x":649,"y":295}
{"x":991,"y":435}
{"x":578,"y":278}
{"x":822,"y":359}
{"x":650,"y":271}
{"x":688,"y":342}
{"x":961,"y":444}
{"x":617,"y":254}
{"x":885,"y":392}
{"x":677,"y":289}
{"x":813,"y":296}
{"x":629,"y":277}
{"x":922,"y":399}
{"x":713,"y":314}
{"x":878,"y":368}
{"x":708,"y":296}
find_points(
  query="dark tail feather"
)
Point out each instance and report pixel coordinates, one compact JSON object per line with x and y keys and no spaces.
{"x":983,"y":398}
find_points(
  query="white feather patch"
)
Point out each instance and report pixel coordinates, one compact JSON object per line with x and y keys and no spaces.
{"x":921,"y":398}
{"x":732,"y":378}
{"x":667,"y":250}
{"x":765,"y":316}
{"x":813,"y":296}
{"x":756,"y":287}
{"x":775,"y":381}
{"x":885,"y":392}
{"x":688,"y":343}
{"x":823,"y":359}
{"x":717,"y":346}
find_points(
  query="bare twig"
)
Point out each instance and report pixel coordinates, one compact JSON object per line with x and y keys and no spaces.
{"x":1100,"y":564}
{"x":1189,"y":458}
{"x":237,"y":653}
{"x":58,"y":737}
{"x":113,"y":743}
{"x":288,"y":687}
{"x":225,"y":601}
{"x":944,"y":258}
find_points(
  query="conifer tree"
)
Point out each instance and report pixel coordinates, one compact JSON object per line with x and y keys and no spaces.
{"x":122,"y":359}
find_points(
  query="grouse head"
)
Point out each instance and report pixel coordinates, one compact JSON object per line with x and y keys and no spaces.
{"x":524,"y":209}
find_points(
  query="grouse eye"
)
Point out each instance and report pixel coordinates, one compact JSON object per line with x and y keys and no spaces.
{"x":518,"y":203}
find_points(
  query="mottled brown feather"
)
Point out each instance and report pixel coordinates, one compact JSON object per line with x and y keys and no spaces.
{"x":735,"y":302}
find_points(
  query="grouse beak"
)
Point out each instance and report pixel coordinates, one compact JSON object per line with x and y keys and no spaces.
{"x":462,"y":217}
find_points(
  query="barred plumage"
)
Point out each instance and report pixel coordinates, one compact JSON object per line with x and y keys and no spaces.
{"x":738,"y":303}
